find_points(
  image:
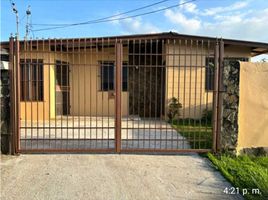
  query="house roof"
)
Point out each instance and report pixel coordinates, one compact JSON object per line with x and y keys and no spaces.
{"x":257,"y":48}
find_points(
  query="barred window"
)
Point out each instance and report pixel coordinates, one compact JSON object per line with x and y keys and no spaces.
{"x":32,"y":80}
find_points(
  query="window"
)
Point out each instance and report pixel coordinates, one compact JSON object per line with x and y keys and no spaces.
{"x":107,"y":76}
{"x":209,"y":74}
{"x":32,"y":76}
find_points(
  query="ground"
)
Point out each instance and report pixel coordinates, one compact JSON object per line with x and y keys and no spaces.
{"x":110,"y":176}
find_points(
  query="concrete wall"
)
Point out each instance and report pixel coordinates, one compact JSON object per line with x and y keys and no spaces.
{"x":86,"y":97}
{"x":253,"y":105}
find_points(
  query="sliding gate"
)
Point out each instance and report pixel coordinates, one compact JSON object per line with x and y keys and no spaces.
{"x":115,"y":95}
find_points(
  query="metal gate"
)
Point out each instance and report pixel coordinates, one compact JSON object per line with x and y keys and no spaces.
{"x":116,"y":94}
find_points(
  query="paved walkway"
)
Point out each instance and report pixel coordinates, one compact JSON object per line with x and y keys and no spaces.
{"x":110,"y":176}
{"x":91,"y":132}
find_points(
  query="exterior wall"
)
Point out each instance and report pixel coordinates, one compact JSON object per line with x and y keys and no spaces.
{"x":253,"y":110}
{"x":42,"y":109}
{"x":185,"y":75}
{"x":86,"y":98}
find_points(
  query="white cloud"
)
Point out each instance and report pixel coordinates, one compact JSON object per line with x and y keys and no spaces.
{"x":235,"y":6}
{"x":135,"y":25}
{"x":189,"y":7}
{"x":191,"y":25}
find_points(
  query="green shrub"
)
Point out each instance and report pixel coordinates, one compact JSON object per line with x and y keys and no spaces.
{"x":207,"y":116}
{"x":173,"y":108}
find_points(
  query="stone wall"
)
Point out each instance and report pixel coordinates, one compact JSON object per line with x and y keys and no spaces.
{"x":5,"y":111}
{"x":229,"y":134}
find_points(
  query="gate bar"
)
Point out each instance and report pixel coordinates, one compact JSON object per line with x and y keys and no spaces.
{"x":118,"y":89}
{"x":220,"y":91}
{"x":215,"y":96}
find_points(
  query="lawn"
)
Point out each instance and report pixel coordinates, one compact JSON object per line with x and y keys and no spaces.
{"x":245,"y":173}
{"x":198,"y":133}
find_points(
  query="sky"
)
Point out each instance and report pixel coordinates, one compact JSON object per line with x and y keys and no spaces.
{"x":235,"y":19}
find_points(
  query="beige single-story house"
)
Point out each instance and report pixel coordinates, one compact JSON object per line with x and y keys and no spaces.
{"x":75,"y":77}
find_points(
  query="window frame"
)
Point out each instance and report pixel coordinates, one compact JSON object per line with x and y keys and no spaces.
{"x":31,"y":80}
{"x":100,"y":75}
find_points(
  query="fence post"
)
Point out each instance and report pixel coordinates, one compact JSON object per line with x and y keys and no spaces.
{"x":118,"y":89}
{"x":215,"y":96}
{"x":17,"y":82}
{"x":220,"y":97}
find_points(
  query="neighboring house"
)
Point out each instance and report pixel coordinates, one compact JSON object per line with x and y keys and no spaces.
{"x":76,"y":76}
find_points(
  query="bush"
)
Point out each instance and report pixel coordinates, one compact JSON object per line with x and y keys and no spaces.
{"x":173,"y":108}
{"x":207,"y":116}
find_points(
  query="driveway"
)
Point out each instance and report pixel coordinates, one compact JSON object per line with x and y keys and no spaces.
{"x":99,"y":132}
{"x":110,"y":176}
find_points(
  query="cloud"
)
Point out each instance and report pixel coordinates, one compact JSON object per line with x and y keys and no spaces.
{"x":135,"y":25}
{"x":191,"y":25}
{"x":189,"y":7}
{"x":216,"y":10}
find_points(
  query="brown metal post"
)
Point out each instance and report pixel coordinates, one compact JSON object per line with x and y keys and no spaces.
{"x":215,"y":96}
{"x":118,"y":89}
{"x":220,"y":98}
{"x":12,"y":95}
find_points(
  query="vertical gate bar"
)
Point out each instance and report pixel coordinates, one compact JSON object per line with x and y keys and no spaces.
{"x":43,"y":68}
{"x":139,"y":69}
{"x":144,"y":90}
{"x":173,"y":85}
{"x":108,"y":101}
{"x":162,"y":95}
{"x":61,"y":88}
{"x":17,"y":134}
{"x":90,"y":88}
{"x":84,"y":86}
{"x":102,"y":98}
{"x":12,"y":96}
{"x":36,"y":79}
{"x":179,"y":85}
{"x":78,"y":92}
{"x":133,"y":87}
{"x":25,"y":93}
{"x":73,"y":89}
{"x":49,"y":84}
{"x":195,"y":93}
{"x":206,"y":102}
{"x":184,"y":87}
{"x":215,"y":95}
{"x":55,"y":89}
{"x":98,"y":70}
{"x":220,"y":96}
{"x":127,"y":92}
{"x":150,"y":97}
{"x":68,"y":91}
{"x":30,"y":86}
{"x":156,"y":88}
{"x":118,"y":89}
{"x":201,"y":85}
{"x":190,"y":94}
{"x":167,"y":86}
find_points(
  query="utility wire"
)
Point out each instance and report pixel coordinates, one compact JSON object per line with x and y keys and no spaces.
{"x":114,"y":19}
{"x":104,"y":18}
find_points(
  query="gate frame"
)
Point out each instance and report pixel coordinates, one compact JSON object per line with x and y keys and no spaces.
{"x":14,"y":52}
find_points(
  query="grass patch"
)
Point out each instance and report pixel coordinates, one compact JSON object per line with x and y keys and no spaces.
{"x":198,"y":133}
{"x":244,"y":172}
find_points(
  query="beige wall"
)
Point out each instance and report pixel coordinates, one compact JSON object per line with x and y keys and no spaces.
{"x":253,"y":105}
{"x":185,"y":76}
{"x":42,"y":109}
{"x":86,"y":98}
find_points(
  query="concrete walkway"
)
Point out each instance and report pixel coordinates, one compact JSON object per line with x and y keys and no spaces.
{"x":110,"y":176}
